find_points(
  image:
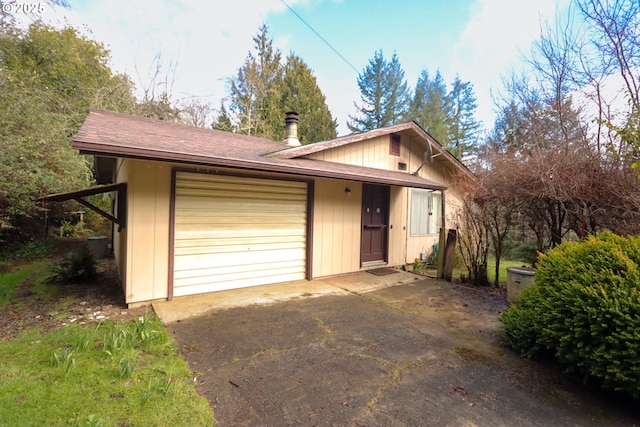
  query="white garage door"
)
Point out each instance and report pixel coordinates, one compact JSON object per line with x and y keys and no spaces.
{"x":233,"y":232}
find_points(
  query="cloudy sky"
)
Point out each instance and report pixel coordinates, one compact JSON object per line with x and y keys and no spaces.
{"x":202,"y":43}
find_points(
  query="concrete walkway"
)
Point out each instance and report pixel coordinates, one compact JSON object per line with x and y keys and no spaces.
{"x":182,"y":308}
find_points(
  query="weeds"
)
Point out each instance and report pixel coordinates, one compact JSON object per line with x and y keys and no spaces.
{"x":76,"y":267}
{"x":126,"y":366}
{"x":63,"y":358}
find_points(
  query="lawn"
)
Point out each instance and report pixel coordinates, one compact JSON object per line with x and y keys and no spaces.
{"x":461,"y":272}
{"x":97,"y":374}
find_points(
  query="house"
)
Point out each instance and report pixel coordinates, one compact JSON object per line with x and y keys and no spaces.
{"x":198,"y":210}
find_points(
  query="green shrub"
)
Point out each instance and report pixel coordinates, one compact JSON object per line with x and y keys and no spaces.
{"x":76,"y":267}
{"x":585,"y":311}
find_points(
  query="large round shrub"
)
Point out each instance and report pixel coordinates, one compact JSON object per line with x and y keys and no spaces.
{"x":584,"y":310}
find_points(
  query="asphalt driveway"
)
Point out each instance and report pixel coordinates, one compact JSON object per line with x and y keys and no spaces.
{"x":423,"y":353}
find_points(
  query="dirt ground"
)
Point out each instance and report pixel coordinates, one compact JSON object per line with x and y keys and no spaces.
{"x":77,"y":303}
{"x":418,"y":354}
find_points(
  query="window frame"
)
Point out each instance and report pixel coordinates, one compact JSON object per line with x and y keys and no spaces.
{"x":429,"y":218}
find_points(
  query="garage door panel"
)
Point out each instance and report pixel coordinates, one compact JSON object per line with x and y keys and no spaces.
{"x":240,"y":258}
{"x":250,"y":249}
{"x":231,"y":284}
{"x":205,"y":275}
{"x":232,"y":232}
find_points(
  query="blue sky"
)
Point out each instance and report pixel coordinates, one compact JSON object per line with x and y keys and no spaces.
{"x":202,"y":43}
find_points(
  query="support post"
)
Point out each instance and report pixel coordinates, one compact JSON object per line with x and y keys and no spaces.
{"x":450,"y":254}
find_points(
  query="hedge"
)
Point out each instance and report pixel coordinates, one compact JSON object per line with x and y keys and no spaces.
{"x":584,"y":310}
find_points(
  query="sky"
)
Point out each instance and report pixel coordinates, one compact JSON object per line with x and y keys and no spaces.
{"x":203,"y":43}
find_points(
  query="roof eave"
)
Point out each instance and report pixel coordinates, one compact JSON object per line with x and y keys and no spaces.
{"x":101,"y":149}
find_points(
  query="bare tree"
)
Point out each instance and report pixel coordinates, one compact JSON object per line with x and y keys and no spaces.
{"x":196,"y":112}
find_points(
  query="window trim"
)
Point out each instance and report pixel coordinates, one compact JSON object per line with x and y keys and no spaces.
{"x":431,"y":218}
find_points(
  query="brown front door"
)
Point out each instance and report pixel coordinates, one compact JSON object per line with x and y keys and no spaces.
{"x":375,"y":223}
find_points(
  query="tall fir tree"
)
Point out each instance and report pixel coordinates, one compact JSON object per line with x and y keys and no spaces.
{"x":463,"y":127}
{"x":430,"y":107}
{"x":384,"y":95}
{"x":300,"y":93}
{"x":448,"y":116}
{"x":264,"y":90}
{"x":255,"y":91}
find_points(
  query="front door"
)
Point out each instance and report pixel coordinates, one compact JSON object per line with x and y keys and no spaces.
{"x":375,"y":223}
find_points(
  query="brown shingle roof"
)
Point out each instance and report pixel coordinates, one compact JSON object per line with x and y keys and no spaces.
{"x":105,"y":133}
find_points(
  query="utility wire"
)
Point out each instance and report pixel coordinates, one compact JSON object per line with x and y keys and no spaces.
{"x":321,"y":38}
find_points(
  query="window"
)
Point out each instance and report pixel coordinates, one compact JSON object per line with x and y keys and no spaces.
{"x":426,"y":212}
{"x":394,"y":144}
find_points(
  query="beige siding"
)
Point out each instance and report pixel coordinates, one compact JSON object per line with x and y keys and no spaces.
{"x":372,"y":153}
{"x":234,"y":232}
{"x":149,"y":192}
{"x":144,"y":253}
{"x":336,"y":225}
{"x":403,"y":248}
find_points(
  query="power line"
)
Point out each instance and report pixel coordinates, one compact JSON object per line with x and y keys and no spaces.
{"x":321,"y":38}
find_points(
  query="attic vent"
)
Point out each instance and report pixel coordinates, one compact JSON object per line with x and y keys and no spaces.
{"x":394,"y":145}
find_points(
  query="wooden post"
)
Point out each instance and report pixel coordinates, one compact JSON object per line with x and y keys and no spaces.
{"x":450,"y":254}
{"x":440,"y":267}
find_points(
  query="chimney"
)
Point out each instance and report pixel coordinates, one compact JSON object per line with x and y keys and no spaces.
{"x":291,"y":133}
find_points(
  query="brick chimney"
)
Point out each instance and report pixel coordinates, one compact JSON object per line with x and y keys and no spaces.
{"x":291,"y":132}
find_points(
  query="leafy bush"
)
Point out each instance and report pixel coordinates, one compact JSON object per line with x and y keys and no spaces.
{"x":32,"y":249}
{"x":584,"y":311}
{"x":76,"y":267}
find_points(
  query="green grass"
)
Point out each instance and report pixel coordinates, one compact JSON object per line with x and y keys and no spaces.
{"x":37,"y":271}
{"x":504,"y":264}
{"x":491,"y":269}
{"x":113,"y":374}
{"x":460,"y":272}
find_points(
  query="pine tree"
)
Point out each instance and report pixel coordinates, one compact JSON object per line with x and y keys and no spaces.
{"x":384,"y":95}
{"x":430,"y":107}
{"x":265,"y":90}
{"x":300,"y":93}
{"x":254,"y":92}
{"x":463,"y":127}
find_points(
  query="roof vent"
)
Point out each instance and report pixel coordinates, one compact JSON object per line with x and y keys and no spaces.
{"x":291,"y":133}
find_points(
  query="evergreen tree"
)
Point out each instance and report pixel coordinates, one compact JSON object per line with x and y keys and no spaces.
{"x":300,"y":93}
{"x":265,"y":90}
{"x":463,"y":127}
{"x":384,"y":95}
{"x":255,"y":91}
{"x":223,"y":120}
{"x":430,"y":107}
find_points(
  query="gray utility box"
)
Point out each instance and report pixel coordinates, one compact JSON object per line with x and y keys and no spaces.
{"x":518,"y":278}
{"x":99,"y":245}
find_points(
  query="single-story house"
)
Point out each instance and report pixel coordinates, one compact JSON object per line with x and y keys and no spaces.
{"x":199,"y":210}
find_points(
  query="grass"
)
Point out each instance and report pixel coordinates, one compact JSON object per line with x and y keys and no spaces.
{"x":460,"y":272}
{"x":113,"y":374}
{"x":491,"y":269}
{"x":37,"y":271}
{"x":110,"y":374}
{"x":504,"y":264}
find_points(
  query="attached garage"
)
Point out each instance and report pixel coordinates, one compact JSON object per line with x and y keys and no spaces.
{"x":233,"y":232}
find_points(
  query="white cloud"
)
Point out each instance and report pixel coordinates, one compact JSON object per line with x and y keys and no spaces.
{"x":495,"y":39}
{"x":202,"y":43}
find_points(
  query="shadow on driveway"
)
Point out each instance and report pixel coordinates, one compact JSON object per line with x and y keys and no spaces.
{"x":417,"y":354}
